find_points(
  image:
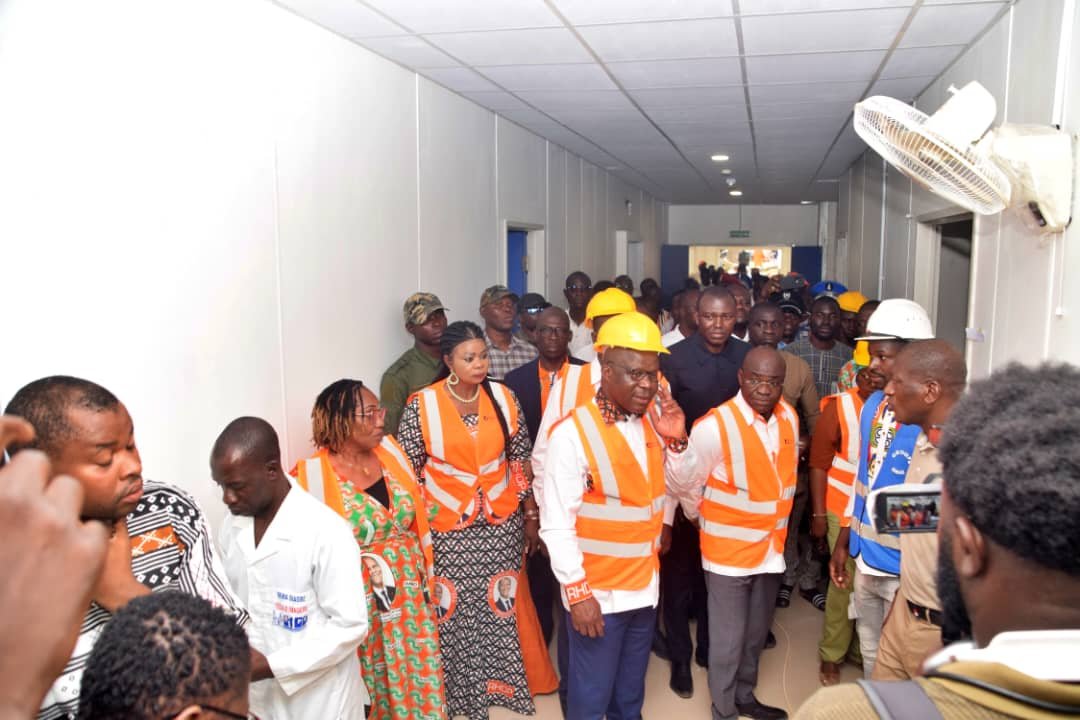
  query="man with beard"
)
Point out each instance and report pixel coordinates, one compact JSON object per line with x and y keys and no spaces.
{"x":160,"y":540}
{"x":425,"y":320}
{"x":821,"y":350}
{"x":1013,"y":589}
{"x":926,"y":383}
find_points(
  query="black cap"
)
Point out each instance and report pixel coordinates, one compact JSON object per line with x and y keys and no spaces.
{"x":789,"y":301}
{"x":532,"y":302}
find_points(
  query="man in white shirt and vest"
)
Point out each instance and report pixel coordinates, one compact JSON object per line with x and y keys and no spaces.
{"x":295,"y":564}
{"x":741,"y":463}
{"x":605,"y":479}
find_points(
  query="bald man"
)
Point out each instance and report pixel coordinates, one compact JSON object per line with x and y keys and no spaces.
{"x":742,"y":461}
{"x":295,"y":564}
{"x":927,"y":381}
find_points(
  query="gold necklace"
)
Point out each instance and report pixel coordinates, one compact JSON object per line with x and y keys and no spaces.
{"x":453,"y":394}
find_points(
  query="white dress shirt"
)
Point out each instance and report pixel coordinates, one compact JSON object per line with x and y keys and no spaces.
{"x":705,"y":457}
{"x":564,"y":488}
{"x":580,"y":336}
{"x":675,"y":336}
{"x":304,"y":587}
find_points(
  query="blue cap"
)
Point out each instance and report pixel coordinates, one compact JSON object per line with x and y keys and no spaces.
{"x":827,"y":287}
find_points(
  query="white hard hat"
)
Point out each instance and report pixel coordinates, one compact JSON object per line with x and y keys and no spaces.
{"x":898,"y":319}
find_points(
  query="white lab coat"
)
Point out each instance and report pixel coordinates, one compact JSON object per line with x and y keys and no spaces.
{"x":304,"y":588}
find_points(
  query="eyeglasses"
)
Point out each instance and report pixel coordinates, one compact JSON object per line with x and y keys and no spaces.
{"x":371,"y":415}
{"x":578,"y":288}
{"x":221,"y":711}
{"x":552,"y":331}
{"x":774,"y":384}
{"x":637,"y":375}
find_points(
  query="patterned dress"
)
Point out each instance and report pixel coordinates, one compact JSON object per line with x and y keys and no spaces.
{"x":400,"y":657}
{"x":476,"y":573}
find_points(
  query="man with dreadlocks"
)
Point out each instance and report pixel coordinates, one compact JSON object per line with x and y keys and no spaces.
{"x":167,"y":655}
{"x":159,"y":537}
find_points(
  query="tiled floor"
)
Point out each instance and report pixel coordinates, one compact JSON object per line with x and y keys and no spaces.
{"x":788,"y":673}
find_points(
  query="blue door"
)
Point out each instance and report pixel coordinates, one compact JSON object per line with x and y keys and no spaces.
{"x":807,"y":262}
{"x":517,"y":249}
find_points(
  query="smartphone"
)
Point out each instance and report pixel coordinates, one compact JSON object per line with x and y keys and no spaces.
{"x":906,"y":508}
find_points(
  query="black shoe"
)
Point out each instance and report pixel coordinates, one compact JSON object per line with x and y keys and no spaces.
{"x":681,"y":680}
{"x":783,"y":598}
{"x":659,"y":645}
{"x":815,"y":597}
{"x":702,"y":660}
{"x":770,"y":640}
{"x":757,"y":711}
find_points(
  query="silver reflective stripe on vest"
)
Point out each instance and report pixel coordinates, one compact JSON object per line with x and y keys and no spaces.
{"x":840,"y":487}
{"x":616,"y":549}
{"x":789,"y":492}
{"x":733,"y":532}
{"x":735,"y":447}
{"x":432,"y":488}
{"x":839,"y":463}
{"x":740,"y":501}
{"x":434,"y":423}
{"x":315,"y":483}
{"x":568,"y":394}
{"x":603,"y":462}
{"x":851,"y":421}
{"x":598,"y":511}
{"x":393,"y":449}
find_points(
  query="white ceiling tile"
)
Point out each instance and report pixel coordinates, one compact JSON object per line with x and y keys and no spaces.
{"x":550,"y":77}
{"x":534,"y":46}
{"x":805,"y":92}
{"x":836,"y":109}
{"x":678,"y":73}
{"x":497,"y":100}
{"x":912,"y":62}
{"x":689,"y":97}
{"x":704,"y":135}
{"x":822,"y":32}
{"x":905,"y":89}
{"x":663,"y":40}
{"x":585,"y":12}
{"x":720,"y":116}
{"x":428,"y":16}
{"x":411,"y":51}
{"x":350,"y":19}
{"x":460,"y":79}
{"x":756,"y":7}
{"x":817,"y":67}
{"x":949,"y":24}
{"x":577,"y":100}
{"x":526,"y":116}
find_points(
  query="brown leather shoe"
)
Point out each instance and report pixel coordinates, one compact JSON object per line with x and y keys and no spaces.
{"x":829,"y":673}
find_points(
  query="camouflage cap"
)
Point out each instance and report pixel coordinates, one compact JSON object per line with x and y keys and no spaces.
{"x":495,"y":293}
{"x":419,"y":307}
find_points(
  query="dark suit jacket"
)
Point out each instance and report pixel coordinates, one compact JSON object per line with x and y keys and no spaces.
{"x":699,"y":379}
{"x":390,"y":591}
{"x":505,"y":605}
{"x":525,"y":382}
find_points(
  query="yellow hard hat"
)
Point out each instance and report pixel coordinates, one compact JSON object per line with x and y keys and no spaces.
{"x":862,"y":353}
{"x":851,"y":301}
{"x":612,"y":301}
{"x":631,"y":330}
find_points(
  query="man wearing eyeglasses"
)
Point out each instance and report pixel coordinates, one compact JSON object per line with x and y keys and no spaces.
{"x":578,"y":290}
{"x":741,"y":465}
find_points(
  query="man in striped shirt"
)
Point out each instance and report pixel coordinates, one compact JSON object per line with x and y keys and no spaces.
{"x":160,"y":540}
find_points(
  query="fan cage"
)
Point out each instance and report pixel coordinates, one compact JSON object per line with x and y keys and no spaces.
{"x":896,"y":131}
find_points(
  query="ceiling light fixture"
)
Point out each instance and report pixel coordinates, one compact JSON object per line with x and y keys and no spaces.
{"x":735,"y":193}
{"x":719,"y":157}
{"x":806,"y":202}
{"x":725,"y":171}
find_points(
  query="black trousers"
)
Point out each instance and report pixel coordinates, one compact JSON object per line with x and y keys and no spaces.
{"x":683,"y":586}
{"x":544,"y":590}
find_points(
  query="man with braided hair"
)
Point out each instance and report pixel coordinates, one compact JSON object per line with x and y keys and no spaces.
{"x":168,"y":655}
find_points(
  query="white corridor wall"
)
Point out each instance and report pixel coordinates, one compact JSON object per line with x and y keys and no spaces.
{"x":215,"y":208}
{"x":1021,"y":300}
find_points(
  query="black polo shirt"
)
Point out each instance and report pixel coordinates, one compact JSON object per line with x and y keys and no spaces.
{"x":701,"y":380}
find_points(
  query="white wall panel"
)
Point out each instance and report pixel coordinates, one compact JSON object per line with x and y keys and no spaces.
{"x":1036,"y":32}
{"x":575,"y":215}
{"x":459,"y":249}
{"x":899,"y":236}
{"x":768,"y":224}
{"x":557,"y":260}
{"x":522,"y":174}
{"x":873,"y":212}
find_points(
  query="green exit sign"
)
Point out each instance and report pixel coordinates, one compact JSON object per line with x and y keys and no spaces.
{"x":737,"y":234}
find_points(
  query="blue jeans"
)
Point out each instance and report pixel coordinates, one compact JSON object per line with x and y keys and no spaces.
{"x":607,"y":674}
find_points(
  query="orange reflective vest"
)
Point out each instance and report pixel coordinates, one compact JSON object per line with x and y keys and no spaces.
{"x":841,"y":475}
{"x":461,"y":461}
{"x":622,"y":509}
{"x":317,"y":476}
{"x":746,"y":509}
{"x":576,"y":388}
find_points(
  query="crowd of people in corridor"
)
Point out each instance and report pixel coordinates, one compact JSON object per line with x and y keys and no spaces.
{"x":622,"y":477}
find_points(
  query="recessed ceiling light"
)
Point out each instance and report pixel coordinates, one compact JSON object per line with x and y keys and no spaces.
{"x":735,"y":193}
{"x":806,"y":202}
{"x":725,"y":171}
{"x":719,"y":157}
